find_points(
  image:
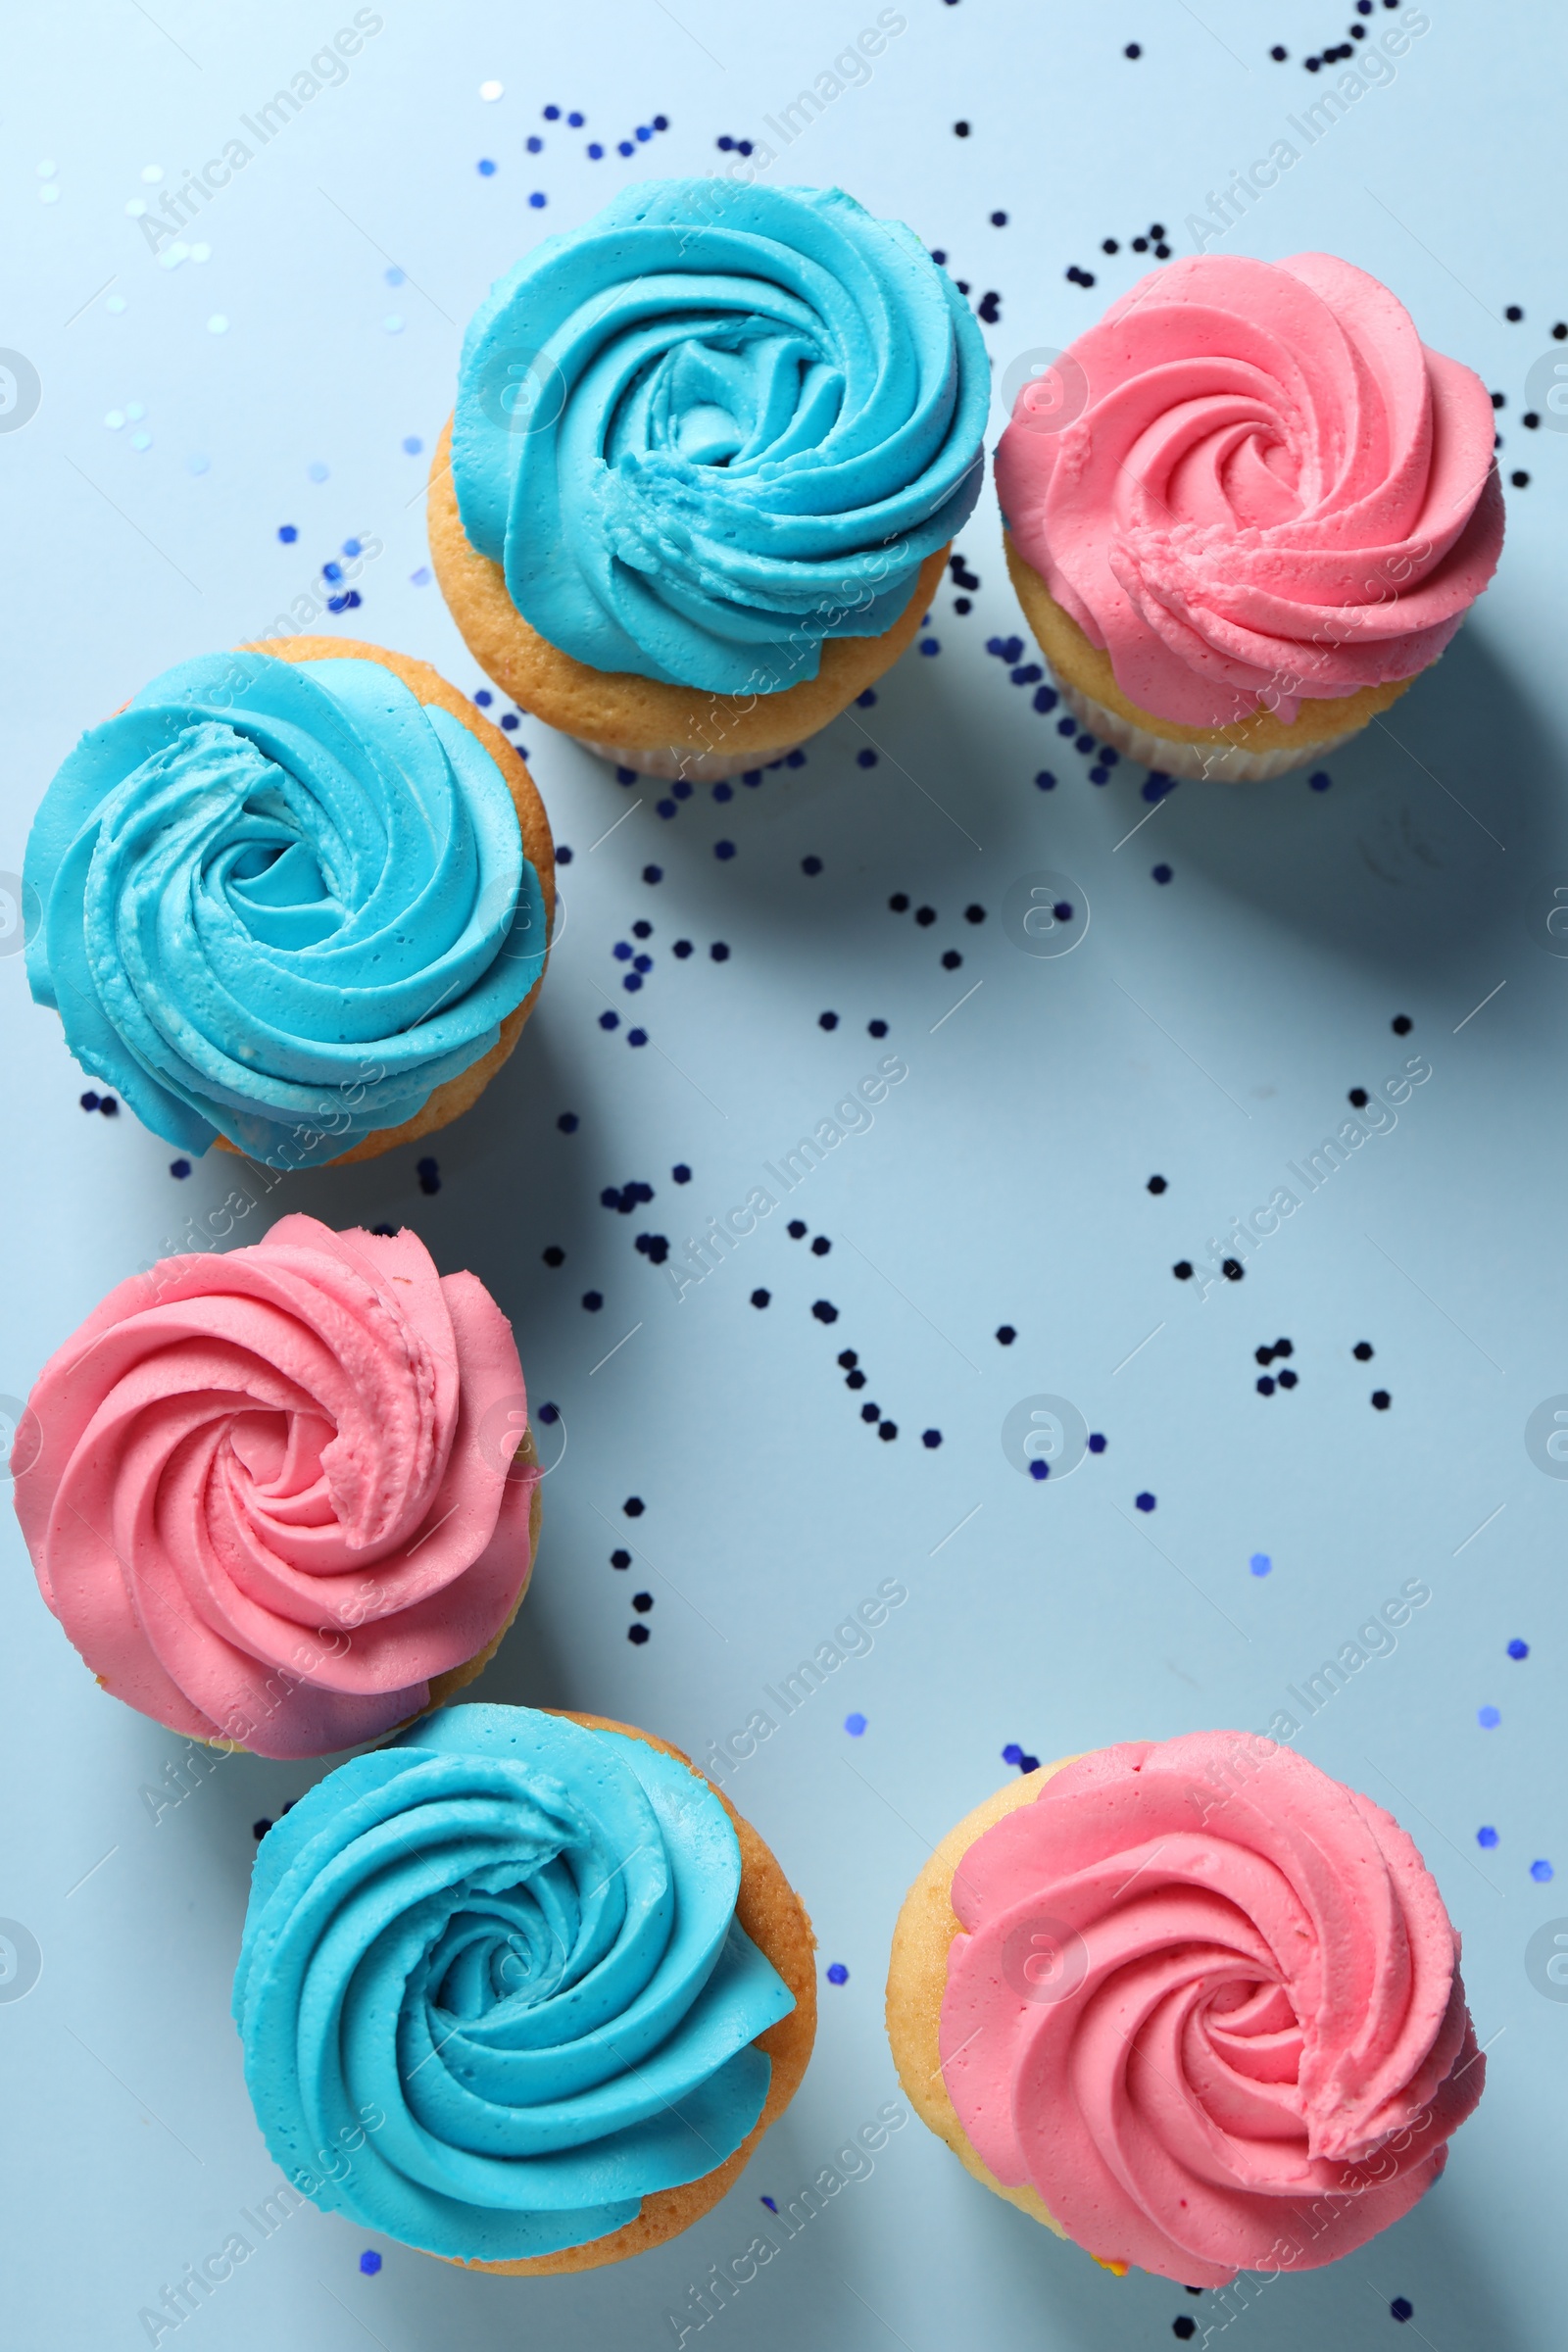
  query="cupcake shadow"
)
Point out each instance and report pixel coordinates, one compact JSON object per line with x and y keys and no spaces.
{"x":1421,"y":857}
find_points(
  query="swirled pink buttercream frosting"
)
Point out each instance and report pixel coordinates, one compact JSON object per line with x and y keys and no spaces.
{"x":1207,"y":2002}
{"x":1252,"y":483}
{"x":274,"y":1491}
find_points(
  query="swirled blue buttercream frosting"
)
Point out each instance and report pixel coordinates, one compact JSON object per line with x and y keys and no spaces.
{"x":718,"y":425}
{"x":281,"y":903}
{"x":492,"y":1992}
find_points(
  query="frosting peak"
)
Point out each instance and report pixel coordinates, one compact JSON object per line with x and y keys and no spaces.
{"x":283,"y":903}
{"x":1208,"y":2004}
{"x":1251,"y":483}
{"x":493,"y":1991}
{"x":718,"y":425}
{"x":276,"y":1490}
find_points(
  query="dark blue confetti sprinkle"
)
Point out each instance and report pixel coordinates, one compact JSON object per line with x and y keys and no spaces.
{"x":825,"y":1311}
{"x":287,"y":533}
{"x":1145,"y":1503}
{"x":179,"y":1167}
{"x":838,"y":1974}
{"x":931,"y":1438}
{"x":680,"y":1173}
{"x":567,"y":1122}
{"x":370,"y":2262}
{"x":723,"y":849}
{"x":593,"y":1300}
{"x":609,"y":1021}
{"x":1097,"y":1443}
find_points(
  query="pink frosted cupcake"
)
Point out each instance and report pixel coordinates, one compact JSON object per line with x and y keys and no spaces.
{"x":1191,"y":2004}
{"x":1246,"y":509}
{"x":285,"y":1497}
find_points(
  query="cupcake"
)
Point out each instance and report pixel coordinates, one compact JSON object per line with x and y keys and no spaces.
{"x":1191,"y":2003}
{"x":296,"y":901}
{"x":707,"y":459}
{"x":1244,"y":511}
{"x":284,"y":1499}
{"x":521,"y":1991}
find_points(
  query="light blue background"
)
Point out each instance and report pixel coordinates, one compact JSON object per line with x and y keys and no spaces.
{"x":1208,"y":1030}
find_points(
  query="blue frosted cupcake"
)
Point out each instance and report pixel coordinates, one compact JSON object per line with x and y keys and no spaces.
{"x":707,"y":455}
{"x":294,"y":902}
{"x":521,"y":1991}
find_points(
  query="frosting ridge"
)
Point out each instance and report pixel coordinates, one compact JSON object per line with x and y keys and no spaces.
{"x":1206,"y":2003}
{"x":275,"y":1492}
{"x":716,"y":426}
{"x":283,"y":903}
{"x":1251,"y":483}
{"x":492,"y":1990}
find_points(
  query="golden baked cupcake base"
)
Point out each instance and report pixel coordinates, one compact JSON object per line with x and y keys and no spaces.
{"x":660,"y":729}
{"x":774,"y":1915}
{"x":459,"y":1093}
{"x":1252,"y":751}
{"x":917,"y":1979}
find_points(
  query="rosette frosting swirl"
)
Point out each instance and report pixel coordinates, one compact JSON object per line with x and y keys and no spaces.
{"x":275,"y":1491}
{"x":1252,"y":483}
{"x":1207,"y":2005}
{"x":492,"y":1990}
{"x":283,"y":903}
{"x":718,"y":425}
